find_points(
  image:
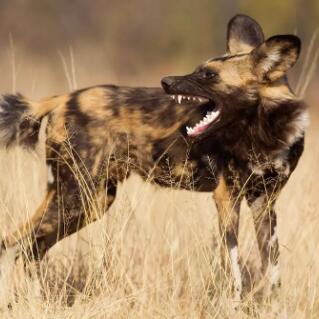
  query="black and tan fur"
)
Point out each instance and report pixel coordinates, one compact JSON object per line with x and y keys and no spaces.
{"x":97,"y":136}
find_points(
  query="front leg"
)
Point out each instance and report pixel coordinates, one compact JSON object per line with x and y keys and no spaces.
{"x":265,"y":220}
{"x":227,"y":199}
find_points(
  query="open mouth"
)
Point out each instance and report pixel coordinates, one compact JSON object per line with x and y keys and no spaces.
{"x":201,"y":127}
{"x":205,"y":116}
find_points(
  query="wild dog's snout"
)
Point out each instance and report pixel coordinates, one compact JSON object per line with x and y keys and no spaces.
{"x":168,"y":82}
{"x":178,"y":85}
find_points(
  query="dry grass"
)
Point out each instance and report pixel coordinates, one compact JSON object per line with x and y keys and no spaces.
{"x":155,"y":253}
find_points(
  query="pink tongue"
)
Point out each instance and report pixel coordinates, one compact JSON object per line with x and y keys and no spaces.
{"x":199,"y":130}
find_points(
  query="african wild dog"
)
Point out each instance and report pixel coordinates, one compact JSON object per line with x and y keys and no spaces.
{"x":246,"y":143}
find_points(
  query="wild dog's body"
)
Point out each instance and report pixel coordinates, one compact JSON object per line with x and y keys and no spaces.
{"x":95,"y":137}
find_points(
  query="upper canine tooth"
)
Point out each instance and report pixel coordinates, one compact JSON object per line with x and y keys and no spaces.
{"x":179,"y":98}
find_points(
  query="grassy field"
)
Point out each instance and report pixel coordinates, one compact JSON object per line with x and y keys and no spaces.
{"x":155,"y":254}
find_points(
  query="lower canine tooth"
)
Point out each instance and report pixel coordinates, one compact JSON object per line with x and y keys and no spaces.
{"x":189,"y":130}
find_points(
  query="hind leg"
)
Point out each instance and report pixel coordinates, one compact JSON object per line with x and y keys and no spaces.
{"x":28,"y":228}
{"x":59,"y":216}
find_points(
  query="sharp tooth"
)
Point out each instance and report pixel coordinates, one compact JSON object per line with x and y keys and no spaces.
{"x":188,"y":98}
{"x":179,"y":98}
{"x":189,"y":130}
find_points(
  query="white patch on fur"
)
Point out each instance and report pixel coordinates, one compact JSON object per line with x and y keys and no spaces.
{"x":299,"y":126}
{"x":281,"y":164}
{"x":256,"y":169}
{"x":272,"y":58}
{"x":50,"y":174}
{"x":278,"y":162}
{"x":236,"y":273}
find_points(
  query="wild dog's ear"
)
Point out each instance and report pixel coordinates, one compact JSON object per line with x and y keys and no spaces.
{"x":273,"y":58}
{"x":243,"y":34}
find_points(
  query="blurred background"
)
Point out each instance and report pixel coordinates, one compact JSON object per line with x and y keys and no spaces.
{"x":50,"y":47}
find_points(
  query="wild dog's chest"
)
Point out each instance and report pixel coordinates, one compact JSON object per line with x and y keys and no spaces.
{"x":179,"y":165}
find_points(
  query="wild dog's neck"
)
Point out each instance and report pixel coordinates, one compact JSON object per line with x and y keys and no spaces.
{"x":281,"y":124}
{"x":281,"y":118}
{"x":272,"y":129}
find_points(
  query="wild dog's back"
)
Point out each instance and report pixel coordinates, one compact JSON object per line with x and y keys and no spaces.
{"x":119,"y":110}
{"x":95,"y":123}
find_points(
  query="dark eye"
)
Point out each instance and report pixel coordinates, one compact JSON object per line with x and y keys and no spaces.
{"x":207,"y":74}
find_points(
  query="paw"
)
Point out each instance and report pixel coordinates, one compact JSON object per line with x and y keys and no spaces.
{"x":272,"y":285}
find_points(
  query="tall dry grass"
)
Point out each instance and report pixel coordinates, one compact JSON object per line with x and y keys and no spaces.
{"x":155,"y":254}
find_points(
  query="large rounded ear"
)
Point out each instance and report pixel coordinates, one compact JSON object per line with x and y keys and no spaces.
{"x":243,"y":34}
{"x":273,"y":58}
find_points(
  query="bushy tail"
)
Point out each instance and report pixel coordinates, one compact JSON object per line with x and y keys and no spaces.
{"x":20,"y":121}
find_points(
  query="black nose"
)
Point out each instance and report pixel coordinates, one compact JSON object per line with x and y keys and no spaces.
{"x":167,"y":82}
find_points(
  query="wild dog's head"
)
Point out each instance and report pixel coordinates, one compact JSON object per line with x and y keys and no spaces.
{"x":231,"y":87}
